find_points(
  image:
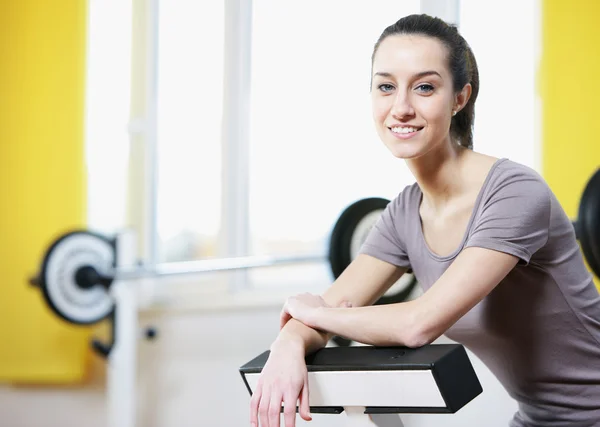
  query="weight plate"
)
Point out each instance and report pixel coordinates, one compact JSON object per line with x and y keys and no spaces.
{"x":403,"y":287}
{"x":348,"y":235}
{"x":351,"y":230}
{"x":63,"y":259}
{"x":588,"y":223}
{"x":361,"y":231}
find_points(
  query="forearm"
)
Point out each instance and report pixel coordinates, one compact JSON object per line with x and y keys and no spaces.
{"x":349,"y":287}
{"x":298,"y":334}
{"x":384,"y":325}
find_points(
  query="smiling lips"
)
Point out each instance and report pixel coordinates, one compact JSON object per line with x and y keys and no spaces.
{"x":405,"y":132}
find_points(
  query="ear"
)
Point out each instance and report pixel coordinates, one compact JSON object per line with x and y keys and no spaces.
{"x":462,"y":97}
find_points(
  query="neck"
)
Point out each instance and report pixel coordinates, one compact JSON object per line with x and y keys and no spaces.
{"x":438,"y":173}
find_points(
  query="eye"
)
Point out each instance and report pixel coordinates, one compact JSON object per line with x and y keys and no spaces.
{"x":385,"y":87}
{"x":425,"y":88}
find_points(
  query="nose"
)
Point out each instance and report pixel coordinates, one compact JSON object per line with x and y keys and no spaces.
{"x":402,"y":106}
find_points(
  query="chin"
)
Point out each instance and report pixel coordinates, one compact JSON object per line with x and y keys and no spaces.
{"x":405,"y":151}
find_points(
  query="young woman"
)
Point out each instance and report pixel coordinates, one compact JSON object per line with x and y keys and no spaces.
{"x":495,"y":253}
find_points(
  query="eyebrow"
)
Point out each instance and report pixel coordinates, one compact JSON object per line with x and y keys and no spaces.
{"x":416,"y":76}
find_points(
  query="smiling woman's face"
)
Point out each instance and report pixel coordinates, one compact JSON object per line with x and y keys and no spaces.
{"x":412,"y":94}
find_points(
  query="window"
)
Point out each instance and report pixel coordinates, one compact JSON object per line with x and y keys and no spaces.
{"x":313,"y":146}
{"x":507,"y":60}
{"x":107,"y":112}
{"x":189,"y":112}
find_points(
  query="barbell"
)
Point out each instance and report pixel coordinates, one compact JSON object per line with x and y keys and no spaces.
{"x":79,"y":267}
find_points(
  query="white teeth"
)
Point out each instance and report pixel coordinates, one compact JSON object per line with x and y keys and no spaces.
{"x":404,"y":129}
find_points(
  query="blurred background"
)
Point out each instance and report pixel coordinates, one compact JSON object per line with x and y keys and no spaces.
{"x":223,"y":128}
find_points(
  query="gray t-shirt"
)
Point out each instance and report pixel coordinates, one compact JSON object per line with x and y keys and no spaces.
{"x":538,"y":331}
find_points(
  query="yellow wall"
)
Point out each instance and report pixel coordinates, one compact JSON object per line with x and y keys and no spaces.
{"x":42,"y":179}
{"x":570,"y":90}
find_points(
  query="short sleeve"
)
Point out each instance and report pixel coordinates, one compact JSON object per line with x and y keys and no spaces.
{"x":384,"y":241}
{"x":515,"y":216}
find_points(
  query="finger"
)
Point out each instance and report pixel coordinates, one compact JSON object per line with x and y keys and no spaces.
{"x":304,"y":404}
{"x":289,"y":410}
{"x":254,"y":406}
{"x":263,"y":408}
{"x":275,"y":410}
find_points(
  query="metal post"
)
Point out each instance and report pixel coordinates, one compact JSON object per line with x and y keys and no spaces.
{"x":122,"y":361}
{"x":143,"y":173}
{"x":235,"y":134}
{"x":357,"y":418}
{"x":151,"y":161}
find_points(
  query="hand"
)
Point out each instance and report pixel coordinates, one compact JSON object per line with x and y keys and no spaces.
{"x":304,"y":308}
{"x":284,"y":378}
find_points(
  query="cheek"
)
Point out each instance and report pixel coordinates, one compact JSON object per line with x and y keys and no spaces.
{"x":436,"y":112}
{"x":380,"y":109}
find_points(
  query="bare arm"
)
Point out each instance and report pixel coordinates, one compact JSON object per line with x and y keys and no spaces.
{"x":364,"y":281}
{"x":284,"y":378}
{"x":474,"y":273}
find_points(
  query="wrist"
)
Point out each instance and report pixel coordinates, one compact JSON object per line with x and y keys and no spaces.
{"x":287,"y":343}
{"x":316,"y":319}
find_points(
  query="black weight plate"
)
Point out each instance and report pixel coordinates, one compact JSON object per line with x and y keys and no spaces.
{"x":407,"y":283}
{"x":341,"y":241}
{"x":68,"y":253}
{"x":349,"y":232}
{"x":588,"y":223}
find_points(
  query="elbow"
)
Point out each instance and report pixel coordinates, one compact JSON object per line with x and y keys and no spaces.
{"x":416,"y":338}
{"x":417,"y":332}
